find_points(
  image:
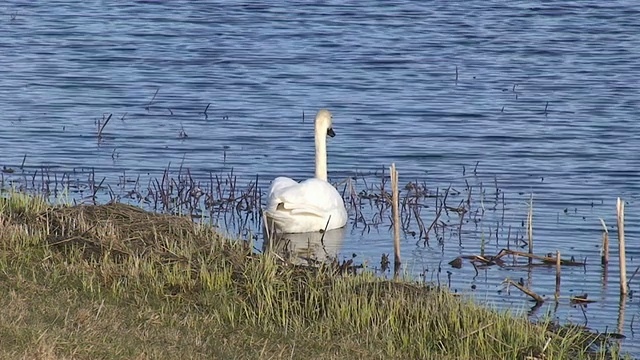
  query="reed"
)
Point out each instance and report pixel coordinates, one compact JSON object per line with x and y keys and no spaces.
{"x":101,"y":125}
{"x":223,"y":199}
{"x":148,"y":106}
{"x":558,"y":269}
{"x":621,"y":313}
{"x":396,"y":219}
{"x":530,"y":227}
{"x":621,"y":245}
{"x":206,"y":115}
{"x":605,"y":244}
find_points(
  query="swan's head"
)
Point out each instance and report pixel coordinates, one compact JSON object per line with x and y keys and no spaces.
{"x":324,"y":122}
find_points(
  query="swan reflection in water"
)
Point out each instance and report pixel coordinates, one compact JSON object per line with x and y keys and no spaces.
{"x":305,"y":248}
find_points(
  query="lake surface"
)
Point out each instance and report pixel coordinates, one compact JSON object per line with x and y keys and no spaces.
{"x":498,"y":100}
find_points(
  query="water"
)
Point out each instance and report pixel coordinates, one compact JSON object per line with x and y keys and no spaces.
{"x":543,"y":97}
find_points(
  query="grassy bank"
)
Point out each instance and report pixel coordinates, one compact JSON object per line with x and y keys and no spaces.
{"x":114,"y":281}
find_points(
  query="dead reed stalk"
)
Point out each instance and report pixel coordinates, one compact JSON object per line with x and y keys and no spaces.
{"x":623,"y":259}
{"x":621,"y":310}
{"x":524,"y":289}
{"x":396,"y":218}
{"x":558,"y":267}
{"x":101,"y":127}
{"x":605,"y":244}
{"x":530,"y":226}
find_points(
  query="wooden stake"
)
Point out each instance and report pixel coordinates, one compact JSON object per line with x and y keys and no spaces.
{"x":557,"y":275}
{"x":396,"y":218}
{"x":605,"y":244}
{"x":623,"y":259}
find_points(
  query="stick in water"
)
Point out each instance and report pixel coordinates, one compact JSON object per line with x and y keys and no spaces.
{"x":623,"y":259}
{"x":605,"y":244}
{"x":530,"y":227}
{"x":557,"y":275}
{"x":396,"y":218}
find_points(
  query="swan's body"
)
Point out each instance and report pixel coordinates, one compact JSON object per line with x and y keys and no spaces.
{"x":311,"y":205}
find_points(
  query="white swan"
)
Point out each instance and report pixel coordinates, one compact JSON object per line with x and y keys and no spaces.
{"x":311,"y":205}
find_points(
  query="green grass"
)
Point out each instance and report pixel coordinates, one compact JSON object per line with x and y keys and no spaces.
{"x":117,"y":282}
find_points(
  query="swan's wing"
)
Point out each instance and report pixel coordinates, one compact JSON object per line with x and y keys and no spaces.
{"x":279,"y":183}
{"x":312,"y":196}
{"x":278,"y":191}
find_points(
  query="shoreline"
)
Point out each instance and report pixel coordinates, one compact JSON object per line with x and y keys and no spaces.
{"x":117,"y":281}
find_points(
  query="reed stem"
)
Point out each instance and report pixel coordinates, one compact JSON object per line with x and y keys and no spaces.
{"x":396,"y":218}
{"x":623,"y":259}
{"x":558,"y":268}
{"x":530,"y":227}
{"x":605,"y":244}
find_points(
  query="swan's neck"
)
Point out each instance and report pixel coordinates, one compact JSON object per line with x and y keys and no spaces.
{"x":321,"y":155}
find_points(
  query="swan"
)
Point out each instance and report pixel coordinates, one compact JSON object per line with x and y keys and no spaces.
{"x":312,"y":205}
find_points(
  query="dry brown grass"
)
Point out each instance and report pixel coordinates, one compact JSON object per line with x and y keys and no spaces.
{"x":122,"y":230}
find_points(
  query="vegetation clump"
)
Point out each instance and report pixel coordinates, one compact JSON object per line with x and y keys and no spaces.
{"x":115,"y":281}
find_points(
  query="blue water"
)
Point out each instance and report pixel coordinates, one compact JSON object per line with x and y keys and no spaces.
{"x":542,"y":98}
